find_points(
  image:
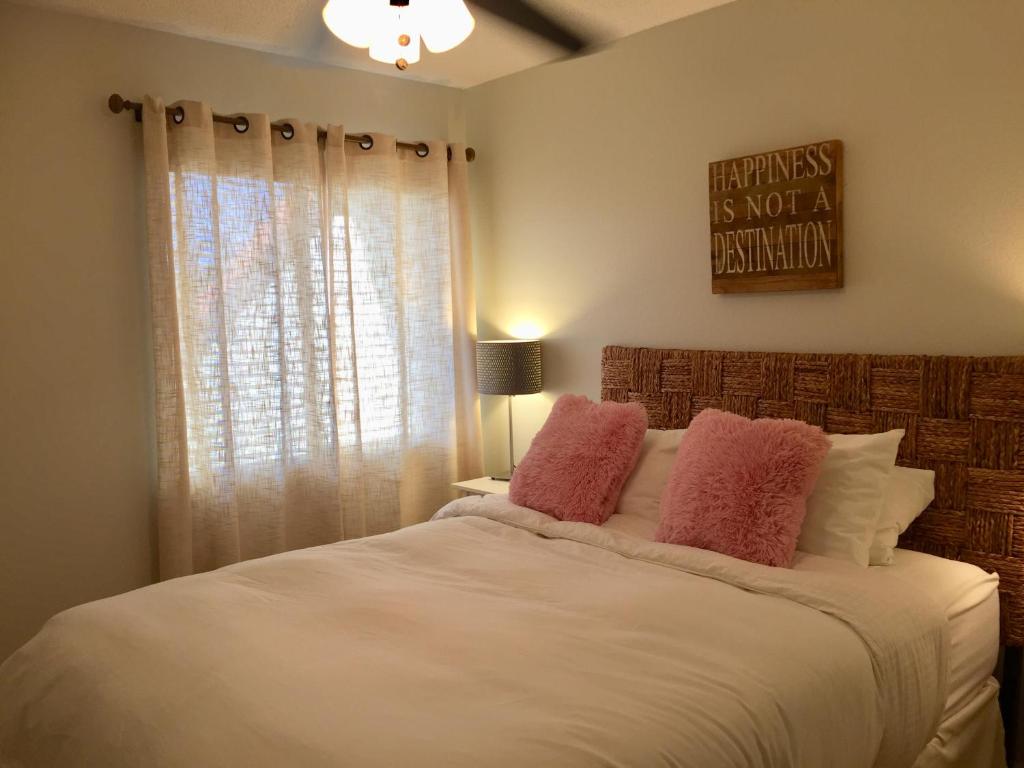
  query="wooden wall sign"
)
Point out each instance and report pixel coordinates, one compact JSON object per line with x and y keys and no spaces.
{"x":777,"y":220}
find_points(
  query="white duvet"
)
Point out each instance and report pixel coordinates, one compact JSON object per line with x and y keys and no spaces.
{"x":474,"y":641}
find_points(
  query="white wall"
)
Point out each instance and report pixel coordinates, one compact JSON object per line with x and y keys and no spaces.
{"x":591,"y":222}
{"x":76,"y":446}
{"x":591,"y":185}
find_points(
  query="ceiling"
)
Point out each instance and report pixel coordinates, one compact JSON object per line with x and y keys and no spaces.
{"x":294,"y":28}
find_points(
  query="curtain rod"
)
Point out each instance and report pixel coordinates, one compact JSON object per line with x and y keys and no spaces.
{"x":118,"y":104}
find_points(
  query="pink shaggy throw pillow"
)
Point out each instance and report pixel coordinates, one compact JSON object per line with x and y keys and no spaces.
{"x":580,"y":459}
{"x":740,"y":487}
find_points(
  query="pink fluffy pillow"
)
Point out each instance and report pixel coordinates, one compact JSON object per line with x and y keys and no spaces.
{"x":740,"y":487}
{"x":579,"y":460}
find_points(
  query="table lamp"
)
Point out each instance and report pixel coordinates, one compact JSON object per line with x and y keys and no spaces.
{"x":510,"y":367}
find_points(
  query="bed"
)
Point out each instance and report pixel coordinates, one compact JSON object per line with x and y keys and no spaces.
{"x":495,"y":635}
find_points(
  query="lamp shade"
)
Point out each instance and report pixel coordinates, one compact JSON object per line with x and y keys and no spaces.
{"x":445,"y":25}
{"x":356,"y":22}
{"x":508,"y":367}
{"x":395,"y":23}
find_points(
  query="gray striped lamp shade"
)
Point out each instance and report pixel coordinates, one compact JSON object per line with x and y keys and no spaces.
{"x":509,"y":367}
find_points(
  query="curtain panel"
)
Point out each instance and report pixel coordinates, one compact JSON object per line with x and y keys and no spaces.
{"x":313,"y":324}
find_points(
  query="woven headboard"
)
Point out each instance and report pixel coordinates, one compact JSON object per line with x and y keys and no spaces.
{"x":963,"y":417}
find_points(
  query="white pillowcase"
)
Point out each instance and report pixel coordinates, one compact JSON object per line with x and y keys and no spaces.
{"x":883,"y":547}
{"x":845,"y":506}
{"x":907,"y":495}
{"x":860,"y":504}
{"x":641,"y":495}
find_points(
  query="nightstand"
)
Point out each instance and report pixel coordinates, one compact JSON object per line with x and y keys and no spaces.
{"x":482,"y":486}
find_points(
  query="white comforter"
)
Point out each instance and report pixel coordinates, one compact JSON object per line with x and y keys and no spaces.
{"x":473,"y":641}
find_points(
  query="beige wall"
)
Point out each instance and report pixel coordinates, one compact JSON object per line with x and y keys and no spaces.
{"x":76,"y":466}
{"x":591,"y":186}
{"x":591,"y":222}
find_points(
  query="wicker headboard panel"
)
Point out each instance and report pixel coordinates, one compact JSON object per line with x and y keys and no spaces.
{"x":963,"y":416}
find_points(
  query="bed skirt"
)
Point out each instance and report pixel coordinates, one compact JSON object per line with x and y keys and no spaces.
{"x":972,"y":736}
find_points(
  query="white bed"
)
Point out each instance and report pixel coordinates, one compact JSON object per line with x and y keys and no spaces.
{"x":969,"y":599}
{"x":967,"y":595}
{"x":497,"y":636}
{"x":971,"y":730}
{"x":971,"y":733}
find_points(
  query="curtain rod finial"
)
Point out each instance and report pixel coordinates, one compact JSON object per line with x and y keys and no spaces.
{"x":116,"y":103}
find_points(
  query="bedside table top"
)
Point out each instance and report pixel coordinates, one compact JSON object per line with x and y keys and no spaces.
{"x":482,"y":486}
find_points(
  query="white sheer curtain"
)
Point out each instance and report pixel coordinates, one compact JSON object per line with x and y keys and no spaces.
{"x":313,"y":330}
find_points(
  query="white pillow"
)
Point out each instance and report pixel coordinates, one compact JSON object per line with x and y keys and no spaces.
{"x":641,"y":495}
{"x":846,"y":503}
{"x":907,"y":495}
{"x":883,"y":547}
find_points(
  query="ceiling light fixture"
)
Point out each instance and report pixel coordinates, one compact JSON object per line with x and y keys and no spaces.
{"x":392,"y":29}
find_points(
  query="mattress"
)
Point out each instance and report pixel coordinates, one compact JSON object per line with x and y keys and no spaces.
{"x":970,"y":599}
{"x":967,"y":595}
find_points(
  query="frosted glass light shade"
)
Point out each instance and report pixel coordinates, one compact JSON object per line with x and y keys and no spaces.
{"x":355,"y":22}
{"x":395,"y":23}
{"x":444,"y":24}
{"x":382,"y":27}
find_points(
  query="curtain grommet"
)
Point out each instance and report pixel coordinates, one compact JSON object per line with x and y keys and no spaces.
{"x":366,"y":142}
{"x":178,"y":116}
{"x":241,"y":124}
{"x":288,"y":131}
{"x":422,"y":150}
